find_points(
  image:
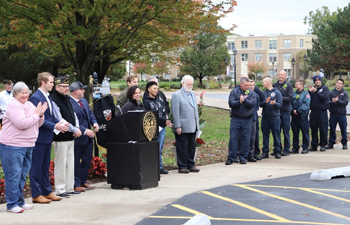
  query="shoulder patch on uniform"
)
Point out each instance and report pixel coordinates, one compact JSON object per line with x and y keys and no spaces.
{"x":308,"y":96}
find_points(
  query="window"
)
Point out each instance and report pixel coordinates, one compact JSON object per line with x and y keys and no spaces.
{"x":244,"y":57}
{"x":301,"y":42}
{"x":272,"y":57}
{"x":258,"y":44}
{"x":271,"y":72}
{"x":258,"y":57}
{"x":287,"y":72}
{"x":230,"y":45}
{"x":232,"y":62}
{"x":273,"y":44}
{"x":287,"y":56}
{"x":166,"y":76}
{"x":244,"y":44}
{"x":286,"y":42}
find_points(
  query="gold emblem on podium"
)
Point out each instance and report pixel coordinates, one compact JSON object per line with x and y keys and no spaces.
{"x":149,"y":125}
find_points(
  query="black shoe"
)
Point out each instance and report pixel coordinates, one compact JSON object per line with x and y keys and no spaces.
{"x":329,"y":147}
{"x":345,"y":147}
{"x":242,"y":161}
{"x":251,"y":159}
{"x":305,"y":151}
{"x":184,"y":171}
{"x":285,"y":153}
{"x":73,"y":193}
{"x":272,"y":154}
{"x":194,"y":169}
{"x":295,"y":150}
{"x":257,"y":157}
{"x":312,"y":148}
{"x":323,"y":148}
{"x":64,"y":194}
{"x":277,"y":155}
{"x":265,"y":155}
{"x":163,"y":171}
{"x":228,"y":162}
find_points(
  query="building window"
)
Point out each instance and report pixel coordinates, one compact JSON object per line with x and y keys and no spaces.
{"x":286,"y":42}
{"x":287,"y":56}
{"x":301,"y":42}
{"x":244,"y":44}
{"x":232,"y":61}
{"x":230,"y":45}
{"x":166,"y":76}
{"x":271,"y":72}
{"x":245,"y":57}
{"x":272,"y":57}
{"x":258,"y":44}
{"x":287,"y":72}
{"x":273,"y":44}
{"x":258,"y":57}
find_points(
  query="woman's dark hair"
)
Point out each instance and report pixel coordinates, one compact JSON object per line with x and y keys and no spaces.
{"x":131,"y":92}
{"x":150,"y":84}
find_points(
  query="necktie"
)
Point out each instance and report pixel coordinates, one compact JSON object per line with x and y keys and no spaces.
{"x":81,"y":104}
{"x":190,"y":98}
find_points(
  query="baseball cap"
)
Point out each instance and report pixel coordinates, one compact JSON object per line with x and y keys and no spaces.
{"x":76,"y":86}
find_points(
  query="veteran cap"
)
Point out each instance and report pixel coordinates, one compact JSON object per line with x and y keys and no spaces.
{"x":8,"y":82}
{"x":62,"y":80}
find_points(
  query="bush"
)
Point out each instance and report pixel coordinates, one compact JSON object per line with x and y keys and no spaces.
{"x":213,"y":84}
{"x":142,"y":86}
{"x":330,"y":83}
{"x":346,"y":83}
{"x":175,"y":86}
{"x":258,"y":84}
{"x":324,"y":80}
{"x":175,"y":79}
{"x":122,"y":87}
{"x":97,"y":168}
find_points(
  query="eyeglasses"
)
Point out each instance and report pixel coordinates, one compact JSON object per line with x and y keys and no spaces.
{"x":63,"y":86}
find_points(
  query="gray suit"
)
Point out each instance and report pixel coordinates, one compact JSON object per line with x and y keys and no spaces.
{"x":185,"y":115}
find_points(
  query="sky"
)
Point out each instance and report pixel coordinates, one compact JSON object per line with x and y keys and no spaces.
{"x":262,"y":17}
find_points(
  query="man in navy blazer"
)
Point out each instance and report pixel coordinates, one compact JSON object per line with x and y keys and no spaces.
{"x":39,"y":172}
{"x":186,"y":124}
{"x":83,"y":144}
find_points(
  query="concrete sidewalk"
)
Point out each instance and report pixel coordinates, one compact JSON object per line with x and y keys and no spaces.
{"x":104,"y":205}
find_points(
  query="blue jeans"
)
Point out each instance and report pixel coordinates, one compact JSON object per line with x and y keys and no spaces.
{"x":272,"y":124}
{"x":161,"y":145}
{"x":341,"y":120}
{"x":16,"y":162}
{"x":239,"y":127}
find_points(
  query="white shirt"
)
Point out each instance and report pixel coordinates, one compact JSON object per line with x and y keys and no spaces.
{"x":5,"y":99}
{"x":47,"y":99}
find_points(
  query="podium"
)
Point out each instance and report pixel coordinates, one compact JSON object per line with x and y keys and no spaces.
{"x":133,"y":150}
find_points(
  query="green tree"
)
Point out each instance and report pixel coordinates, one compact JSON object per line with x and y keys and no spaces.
{"x":319,"y":18}
{"x":94,"y":34}
{"x":206,"y":56}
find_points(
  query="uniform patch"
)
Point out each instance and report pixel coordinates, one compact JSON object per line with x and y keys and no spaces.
{"x":308,"y":96}
{"x":321,"y":90}
{"x":342,"y":94}
{"x":107,"y":114}
{"x":273,"y":94}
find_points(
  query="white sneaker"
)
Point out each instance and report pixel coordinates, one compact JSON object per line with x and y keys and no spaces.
{"x":16,"y":209}
{"x":27,"y":206}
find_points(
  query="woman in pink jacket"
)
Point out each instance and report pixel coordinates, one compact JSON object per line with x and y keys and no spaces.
{"x":20,"y":130}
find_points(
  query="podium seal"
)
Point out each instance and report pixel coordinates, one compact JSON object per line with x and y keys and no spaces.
{"x":149,"y":125}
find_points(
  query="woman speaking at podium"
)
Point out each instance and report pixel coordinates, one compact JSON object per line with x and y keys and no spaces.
{"x":134,"y":96}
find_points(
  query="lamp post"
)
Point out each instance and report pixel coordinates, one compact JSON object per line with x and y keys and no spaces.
{"x":234,"y":51}
{"x":305,"y":66}
{"x":226,"y":61}
{"x":293,"y":62}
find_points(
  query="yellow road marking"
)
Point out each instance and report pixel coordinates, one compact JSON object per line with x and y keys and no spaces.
{"x":286,"y":187}
{"x":293,"y":201}
{"x":195,"y":212}
{"x":324,"y":194}
{"x":246,"y":206}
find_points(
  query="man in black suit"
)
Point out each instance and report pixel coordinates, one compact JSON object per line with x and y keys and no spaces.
{"x":83,"y":144}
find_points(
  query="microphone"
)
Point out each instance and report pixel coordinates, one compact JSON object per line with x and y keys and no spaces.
{"x":120,"y":110}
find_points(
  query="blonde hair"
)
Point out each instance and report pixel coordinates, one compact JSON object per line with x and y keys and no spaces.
{"x":44,"y":76}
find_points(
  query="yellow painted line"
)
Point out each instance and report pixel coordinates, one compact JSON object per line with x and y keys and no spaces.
{"x":293,"y":201}
{"x":274,"y":216}
{"x":324,"y":194}
{"x":195,"y":212}
{"x":286,"y":187}
{"x":249,"y":220}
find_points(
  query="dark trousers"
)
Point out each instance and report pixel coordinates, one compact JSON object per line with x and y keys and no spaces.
{"x":272,"y":124}
{"x":252,"y":140}
{"x":319,"y":121}
{"x":82,"y":159}
{"x":285,"y":126}
{"x":341,"y":120}
{"x":185,"y":149}
{"x":297,"y":125}
{"x":257,"y":149}
{"x":39,"y":172}
{"x":239,"y":127}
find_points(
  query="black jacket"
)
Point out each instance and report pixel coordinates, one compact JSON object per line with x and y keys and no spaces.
{"x":130,"y":105}
{"x":271,"y":111}
{"x":338,"y":107}
{"x":156,"y":104}
{"x":286,"y":90}
{"x":161,"y":97}
{"x":247,"y":108}
{"x":319,"y":99}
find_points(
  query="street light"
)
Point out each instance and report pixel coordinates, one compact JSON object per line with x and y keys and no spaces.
{"x":293,"y":61}
{"x":234,"y":51}
{"x":305,"y":66}
{"x":226,"y":61}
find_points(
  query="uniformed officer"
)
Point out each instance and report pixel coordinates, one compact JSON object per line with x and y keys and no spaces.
{"x":271,"y":118}
{"x":286,"y":90}
{"x":252,"y":155}
{"x":318,"y":116}
{"x":338,"y":100}
{"x":300,"y":113}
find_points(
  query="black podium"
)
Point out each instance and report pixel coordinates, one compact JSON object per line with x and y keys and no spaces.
{"x":133,"y":150}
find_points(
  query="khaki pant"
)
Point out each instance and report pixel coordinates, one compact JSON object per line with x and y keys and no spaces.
{"x":64,"y":166}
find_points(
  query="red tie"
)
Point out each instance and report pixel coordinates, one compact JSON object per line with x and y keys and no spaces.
{"x":81,"y":104}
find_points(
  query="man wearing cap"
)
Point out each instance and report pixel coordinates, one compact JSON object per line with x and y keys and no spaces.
{"x":64,"y":142}
{"x":131,"y":80}
{"x":5,"y":97}
{"x":338,"y":100}
{"x":318,"y":116}
{"x":39,"y":172}
{"x":83,"y":144}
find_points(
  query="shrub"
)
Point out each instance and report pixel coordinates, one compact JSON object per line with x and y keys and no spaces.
{"x":142,"y":86}
{"x":175,"y":79}
{"x":213,"y":84}
{"x":175,"y":86}
{"x":52,"y":173}
{"x":122,"y":87}
{"x":346,"y":83}
{"x":258,"y":84}
{"x":97,"y":168}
